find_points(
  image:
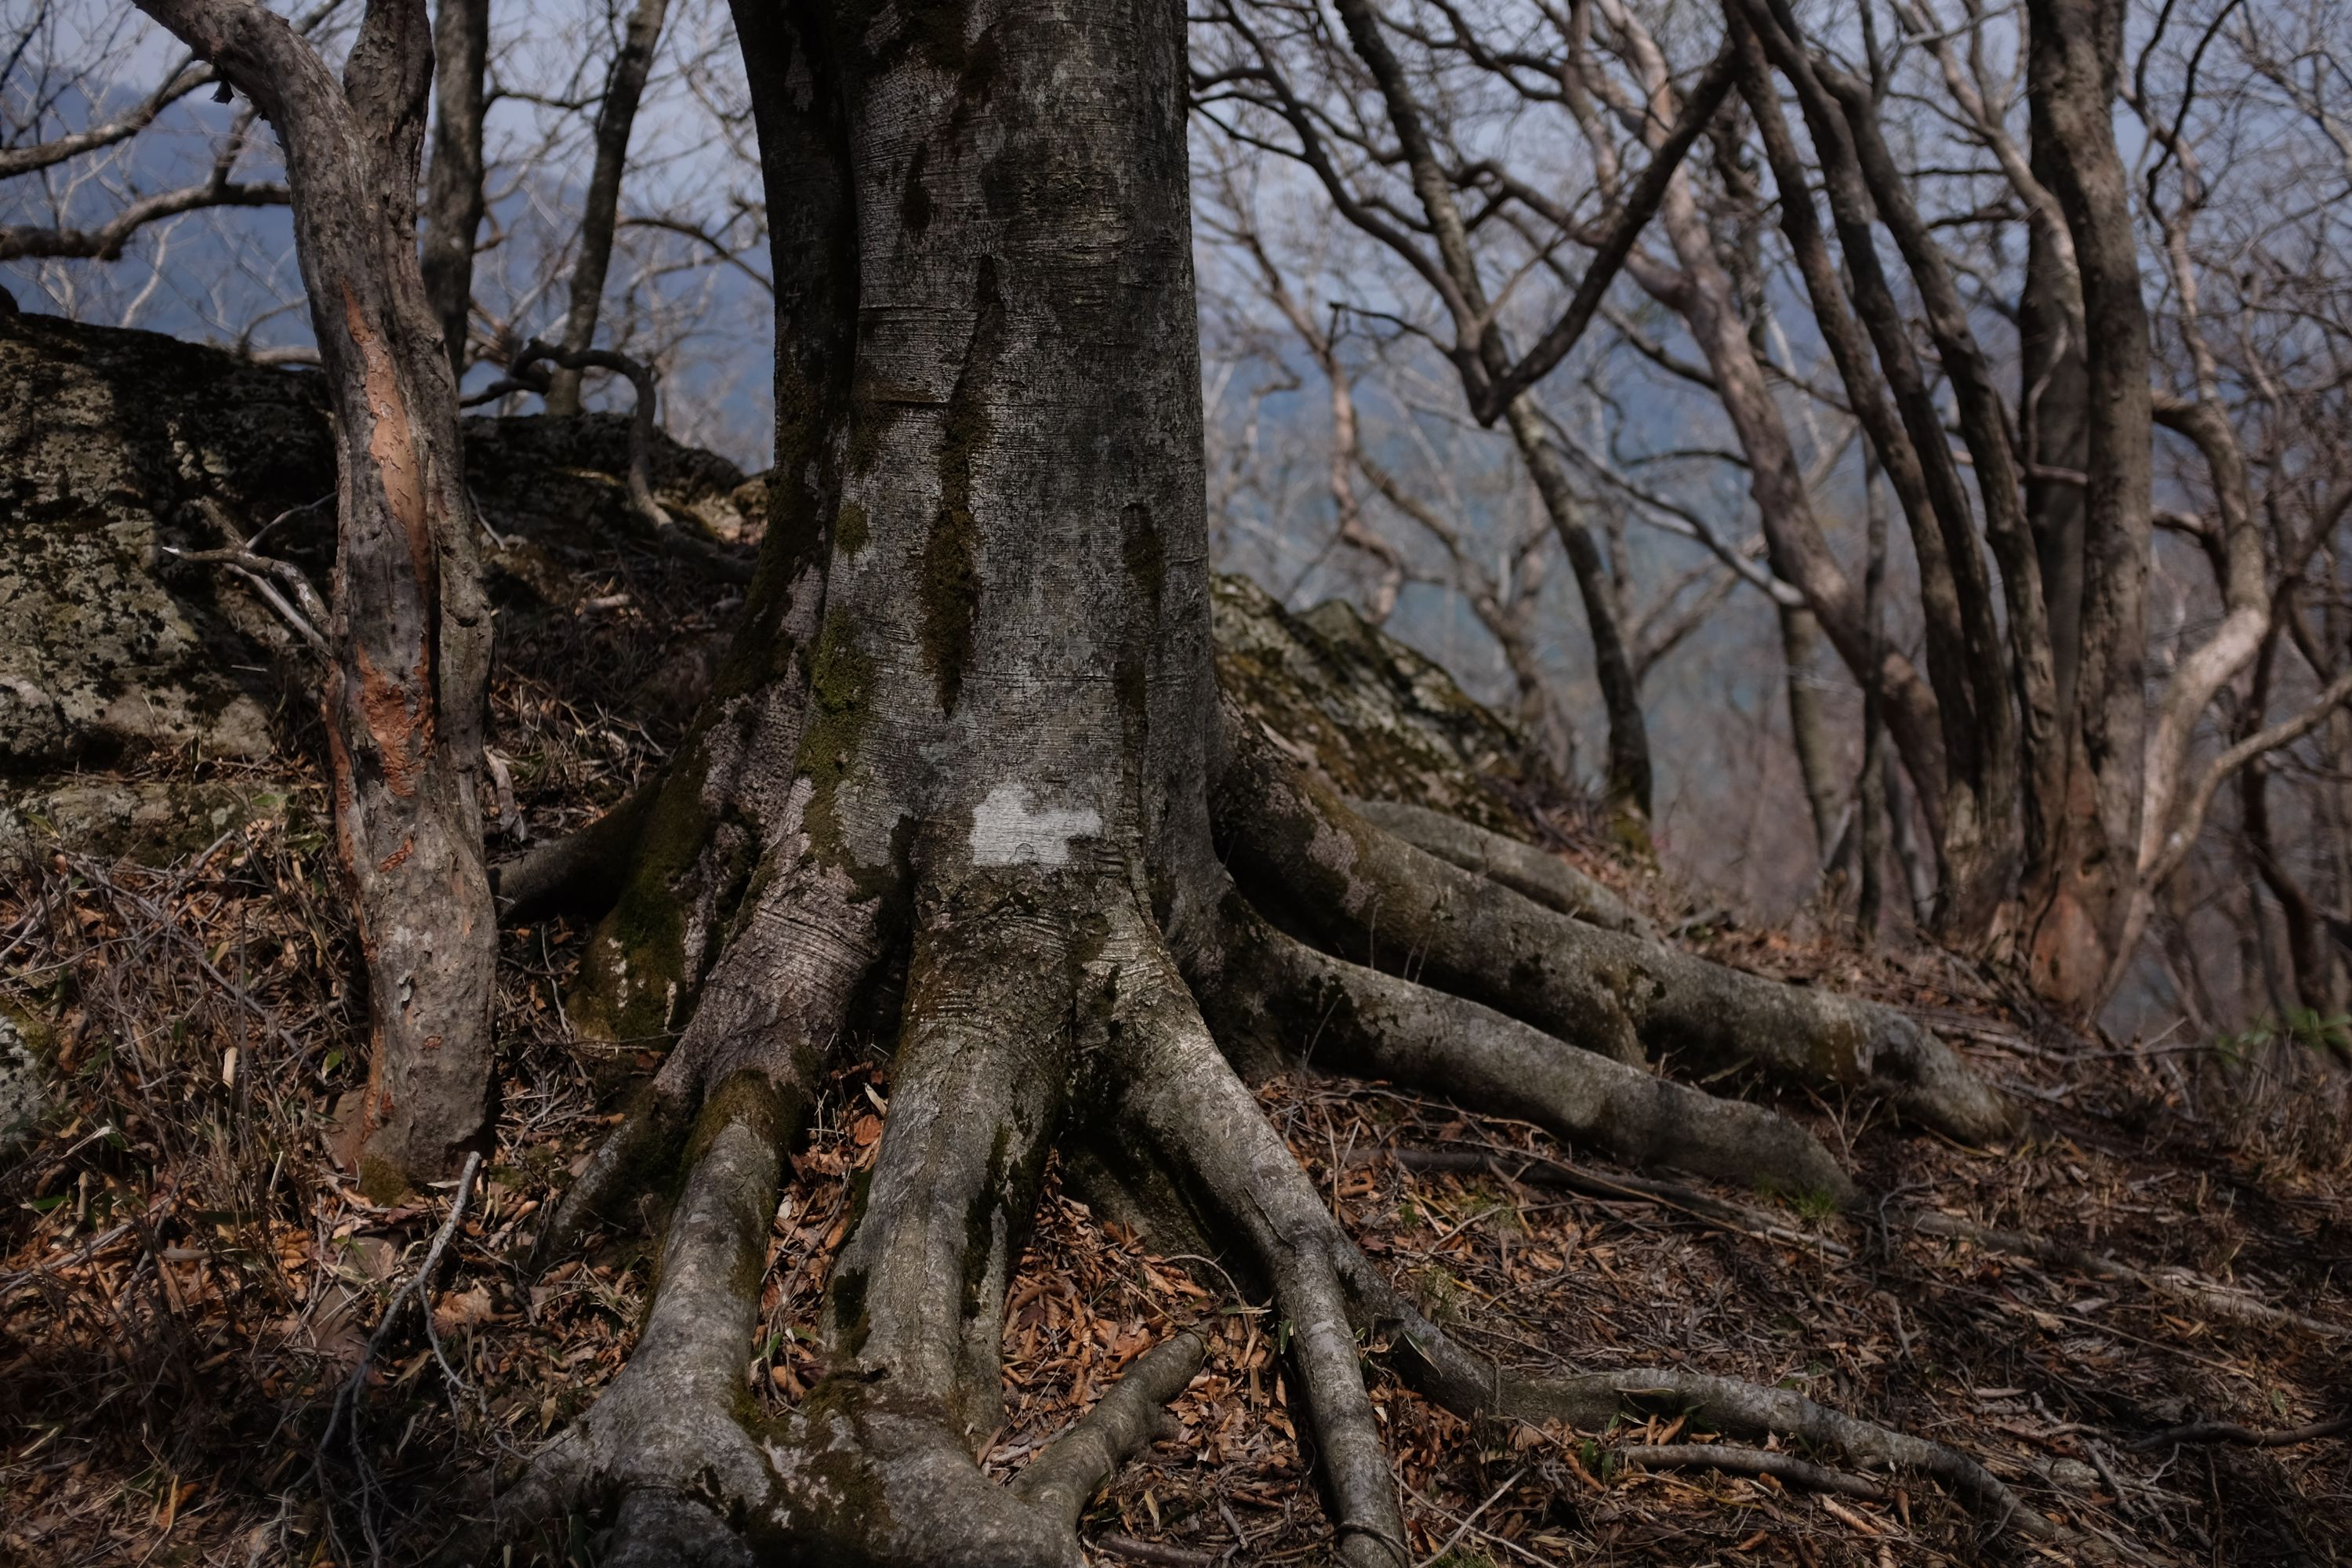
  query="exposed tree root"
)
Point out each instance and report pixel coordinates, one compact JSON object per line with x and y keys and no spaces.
{"x":580,"y":873}
{"x":1732,"y":1458}
{"x":1708,"y":1209}
{"x":1358,"y":1021}
{"x":1181,"y":1102}
{"x":662,"y":1444}
{"x":877,"y":1464}
{"x":1470,"y":1385}
{"x":1074,"y":1465}
{"x":2249,"y":1436}
{"x":771,"y":1007}
{"x":1546,"y":878}
{"x":1303,"y":855}
{"x":1043,"y":1008}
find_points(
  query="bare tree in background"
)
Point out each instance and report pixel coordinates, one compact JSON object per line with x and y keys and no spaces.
{"x":2059,"y":794}
{"x":70,"y":150}
{"x":616,"y":118}
{"x":1949,"y":308}
{"x":453,"y":191}
{"x":1246,"y":87}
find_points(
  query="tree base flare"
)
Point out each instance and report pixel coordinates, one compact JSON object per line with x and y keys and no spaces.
{"x":1042,"y":1007}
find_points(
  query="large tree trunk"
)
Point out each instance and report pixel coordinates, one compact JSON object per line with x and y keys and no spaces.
{"x":411,"y":634}
{"x":967,"y":767}
{"x":600,"y":216}
{"x":2074,"y":48}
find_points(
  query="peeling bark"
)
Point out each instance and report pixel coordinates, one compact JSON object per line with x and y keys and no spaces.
{"x":411,"y":633}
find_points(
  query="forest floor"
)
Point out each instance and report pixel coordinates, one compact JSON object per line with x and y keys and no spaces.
{"x":187,"y":1281}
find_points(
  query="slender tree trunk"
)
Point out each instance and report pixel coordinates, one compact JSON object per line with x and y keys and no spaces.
{"x":2052,"y":389}
{"x":1871,"y":793}
{"x":2073,"y":53}
{"x":453,"y":192}
{"x":1703,"y":294}
{"x":2052,"y":421}
{"x":1629,"y":781}
{"x":1919,"y":875}
{"x":411,"y":634}
{"x":1974,"y":800}
{"x":600,"y":217}
{"x":2307,"y":943}
{"x":1808,"y":727}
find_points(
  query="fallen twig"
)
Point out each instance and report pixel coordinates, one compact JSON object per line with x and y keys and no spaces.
{"x":1136,"y":1550}
{"x":2249,"y":1436}
{"x":2178,"y":1285}
{"x":1471,"y":1523}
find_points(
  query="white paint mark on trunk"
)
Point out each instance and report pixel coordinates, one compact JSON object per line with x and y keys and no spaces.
{"x":1007,"y":829}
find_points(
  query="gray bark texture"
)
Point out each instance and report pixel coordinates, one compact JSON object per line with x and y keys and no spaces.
{"x":2080,"y":906}
{"x":968,"y":770}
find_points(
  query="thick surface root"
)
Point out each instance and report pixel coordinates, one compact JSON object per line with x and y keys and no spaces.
{"x":1181,"y":1103}
{"x":665,"y":1429}
{"x":1074,"y":1465}
{"x":878,"y":1463}
{"x":1524,"y":869}
{"x":1362,"y":893}
{"x":771,"y":1007}
{"x":1185,"y":1107}
{"x":1043,"y":1006}
{"x":579,"y":874}
{"x":1350,"y":1019}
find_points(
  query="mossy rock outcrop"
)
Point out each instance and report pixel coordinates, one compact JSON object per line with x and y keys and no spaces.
{"x":117,"y":445}
{"x":1383,"y":720}
{"x":111,"y":444}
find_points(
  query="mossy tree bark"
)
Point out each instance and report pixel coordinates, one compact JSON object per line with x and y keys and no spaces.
{"x":968,"y":770}
{"x":410,"y":643}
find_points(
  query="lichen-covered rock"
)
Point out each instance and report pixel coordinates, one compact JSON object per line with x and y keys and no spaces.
{"x":150,"y":819}
{"x":24,"y":1097}
{"x":109,"y":444}
{"x":119,"y":446}
{"x":1383,"y":721}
